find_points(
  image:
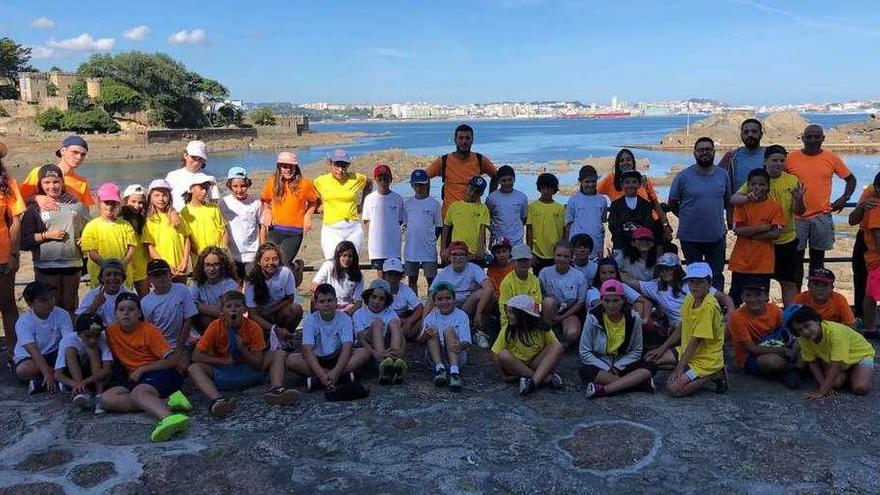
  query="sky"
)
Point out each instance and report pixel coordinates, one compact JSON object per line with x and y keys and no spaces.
{"x":354,"y":51}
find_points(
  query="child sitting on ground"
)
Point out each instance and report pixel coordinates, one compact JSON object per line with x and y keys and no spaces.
{"x":153,"y":384}
{"x":377,"y":329}
{"x":466,"y":221}
{"x":611,"y":346}
{"x":700,"y":357}
{"x":525,"y":349}
{"x":383,"y":216}
{"x":499,"y":268}
{"x":232,"y":355}
{"x":545,"y":225}
{"x":586,"y":210}
{"x":821,"y":296}
{"x":836,"y":354}
{"x":38,"y":332}
{"x":344,"y":274}
{"x":447,"y":332}
{"x":520,"y":281}
{"x":101,"y":300}
{"x":213,"y":276}
{"x":564,"y":292}
{"x":270,"y":296}
{"x":473,"y":289}
{"x":581,"y":247}
{"x":761,"y":345}
{"x":607,"y":270}
{"x":638,"y":258}
{"x":84,"y":362}
{"x":327,"y":357}
{"x":170,"y":307}
{"x":107,"y":236}
{"x":508,"y":208}
{"x":406,"y":304}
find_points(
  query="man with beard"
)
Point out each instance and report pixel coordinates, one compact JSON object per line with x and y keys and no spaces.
{"x":740,"y":161}
{"x":456,"y":169}
{"x":698,"y":197}
{"x":815,"y":168}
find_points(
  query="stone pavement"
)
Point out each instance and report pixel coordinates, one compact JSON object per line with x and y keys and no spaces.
{"x":415,"y":438}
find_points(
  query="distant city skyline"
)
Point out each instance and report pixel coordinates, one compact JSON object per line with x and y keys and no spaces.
{"x":742,"y":52}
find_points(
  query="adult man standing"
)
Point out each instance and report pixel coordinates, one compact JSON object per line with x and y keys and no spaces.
{"x":699,"y":196}
{"x":815,"y":168}
{"x":71,"y":155}
{"x":456,"y":169}
{"x":740,"y":161}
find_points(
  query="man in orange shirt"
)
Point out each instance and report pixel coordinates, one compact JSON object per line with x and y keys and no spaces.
{"x":761,"y":345}
{"x":815,"y":168}
{"x":71,"y":154}
{"x":821,"y":296}
{"x":456,"y":169}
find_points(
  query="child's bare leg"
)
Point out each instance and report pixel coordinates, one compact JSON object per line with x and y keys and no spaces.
{"x":545,"y":362}
{"x":95,"y":364}
{"x":772,"y":363}
{"x":119,"y":399}
{"x":549,"y":310}
{"x":397,"y":339}
{"x":513,"y":366}
{"x":294,"y":362}
{"x":274,"y":363}
{"x":630,"y":380}
{"x":667,"y":361}
{"x":28,"y":370}
{"x":684,"y":386}
{"x":202,"y":374}
{"x":870,"y":311}
{"x":469,"y":306}
{"x":860,"y":379}
{"x":571,"y":329}
{"x":73,"y":367}
{"x":142,"y":287}
{"x":358,"y":359}
{"x":146,"y":397}
{"x":433,"y":345}
{"x":414,"y":283}
{"x":377,"y":335}
{"x":451,"y":339}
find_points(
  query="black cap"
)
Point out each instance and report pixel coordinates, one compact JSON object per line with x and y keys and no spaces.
{"x":36,"y":289}
{"x":631,"y":174}
{"x":756,"y":283}
{"x":89,"y":321}
{"x":157,"y":265}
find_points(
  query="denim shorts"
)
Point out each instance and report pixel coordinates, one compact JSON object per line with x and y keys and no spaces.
{"x":236,"y":376}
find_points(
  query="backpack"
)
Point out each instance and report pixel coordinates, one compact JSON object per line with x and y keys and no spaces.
{"x":443,"y":160}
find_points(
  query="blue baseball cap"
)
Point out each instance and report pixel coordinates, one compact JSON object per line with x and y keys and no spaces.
{"x":788,"y":312}
{"x":419,"y":176}
{"x":237,"y":173}
{"x":478,"y":183}
{"x":72,"y":140}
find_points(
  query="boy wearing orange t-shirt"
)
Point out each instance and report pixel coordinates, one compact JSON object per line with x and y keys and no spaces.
{"x":756,"y":224}
{"x":761,"y":346}
{"x":821,"y":296}
{"x":232,"y":355}
{"x":871,"y":227}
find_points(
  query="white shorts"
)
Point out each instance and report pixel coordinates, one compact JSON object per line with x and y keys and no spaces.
{"x":343,"y":230}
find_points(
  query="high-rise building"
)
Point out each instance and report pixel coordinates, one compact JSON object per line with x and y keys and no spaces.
{"x":614,"y":102}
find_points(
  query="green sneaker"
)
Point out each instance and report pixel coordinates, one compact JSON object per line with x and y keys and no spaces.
{"x":178,"y":402}
{"x":386,"y":369}
{"x":170,"y":426}
{"x":399,"y":371}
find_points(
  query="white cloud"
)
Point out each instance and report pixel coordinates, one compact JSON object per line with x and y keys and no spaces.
{"x":83,"y":43}
{"x":42,"y":52}
{"x":389,"y":52}
{"x":184,"y":37}
{"x":43,"y":23}
{"x":137,"y":33}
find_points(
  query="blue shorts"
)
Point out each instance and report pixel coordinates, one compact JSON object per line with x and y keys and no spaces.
{"x":236,"y":376}
{"x":166,"y":381}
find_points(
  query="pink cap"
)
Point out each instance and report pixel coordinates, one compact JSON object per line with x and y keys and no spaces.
{"x":108,"y":192}
{"x":642,"y":233}
{"x":611,"y":288}
{"x":287,"y":157}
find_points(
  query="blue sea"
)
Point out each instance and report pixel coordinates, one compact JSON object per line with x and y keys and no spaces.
{"x":529,"y":143}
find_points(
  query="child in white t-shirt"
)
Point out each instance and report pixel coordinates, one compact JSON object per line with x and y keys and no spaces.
{"x":375,"y":325}
{"x":101,"y":300}
{"x":39,"y":331}
{"x":564,"y":290}
{"x":587,"y":210}
{"x":423,"y":224}
{"x":213,"y":276}
{"x":473,"y":289}
{"x":344,"y":274}
{"x":447,"y":332}
{"x":327,"y":358}
{"x":383,"y":216}
{"x":170,"y":307}
{"x":84,"y":362}
{"x":406,"y":304}
{"x":270,"y":296}
{"x":244,"y":214}
{"x":582,"y":246}
{"x":508,"y":208}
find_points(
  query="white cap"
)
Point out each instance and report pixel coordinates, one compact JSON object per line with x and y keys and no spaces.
{"x":698,"y":270}
{"x":133,"y":189}
{"x":525,"y":303}
{"x":197,"y":148}
{"x":159,"y":184}
{"x":200,"y":178}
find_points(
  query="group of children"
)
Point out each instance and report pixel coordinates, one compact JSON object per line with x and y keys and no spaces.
{"x":546,"y":288}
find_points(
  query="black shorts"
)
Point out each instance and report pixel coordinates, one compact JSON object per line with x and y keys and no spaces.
{"x":50,"y":359}
{"x":328,"y":362}
{"x":166,"y":381}
{"x":377,"y":263}
{"x":789,"y":267}
{"x":588,"y":372}
{"x":64,"y":272}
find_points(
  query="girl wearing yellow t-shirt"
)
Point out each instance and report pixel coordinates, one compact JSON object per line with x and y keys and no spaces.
{"x":525,"y":349}
{"x":611,"y":346}
{"x":836,"y":353}
{"x":134,"y":204}
{"x":203,"y":219}
{"x":163,"y":239}
{"x":107,"y":236}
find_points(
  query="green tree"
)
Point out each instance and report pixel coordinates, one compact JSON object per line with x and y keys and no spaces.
{"x":230,"y":115}
{"x":51,"y":89}
{"x":263,"y":116}
{"x":78,"y":100}
{"x":117,"y":97}
{"x":14,"y":59}
{"x":55,"y":68}
{"x":89,"y":121}
{"x":50,"y":120}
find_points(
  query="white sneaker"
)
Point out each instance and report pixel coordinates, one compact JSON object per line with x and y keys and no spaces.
{"x":82,"y":401}
{"x":481,"y":340}
{"x":99,"y":407}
